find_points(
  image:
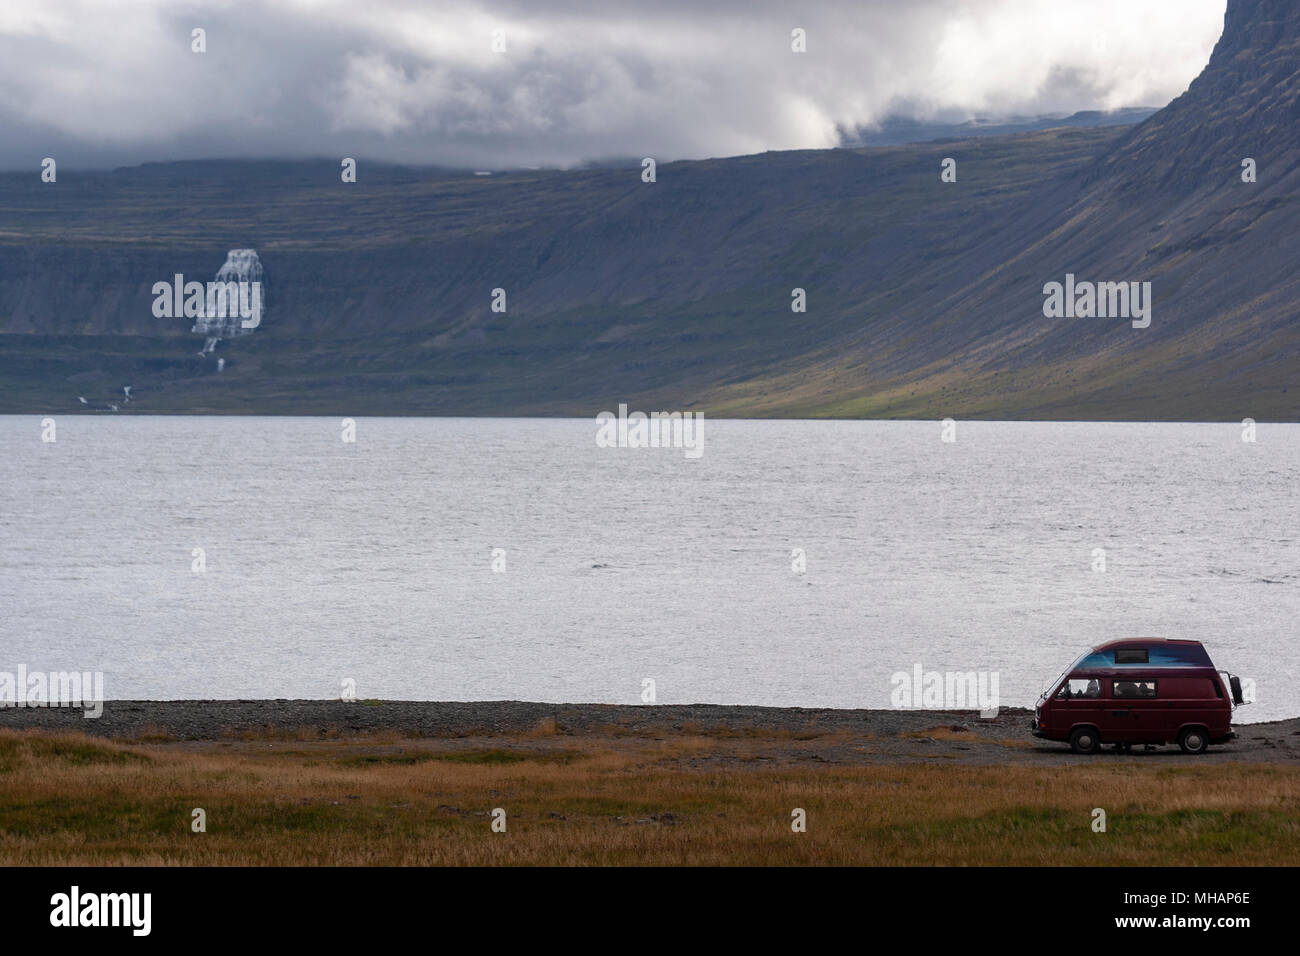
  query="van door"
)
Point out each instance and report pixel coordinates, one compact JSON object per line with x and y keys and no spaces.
{"x":1137,"y":711}
{"x":1080,"y":701}
{"x":1120,"y":723}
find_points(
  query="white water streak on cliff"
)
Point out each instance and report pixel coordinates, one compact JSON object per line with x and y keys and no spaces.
{"x":242,"y":266}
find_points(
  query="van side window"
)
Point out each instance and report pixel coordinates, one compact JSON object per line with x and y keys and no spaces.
{"x":1133,"y":688}
{"x":1131,"y":655}
{"x":1075,"y":687}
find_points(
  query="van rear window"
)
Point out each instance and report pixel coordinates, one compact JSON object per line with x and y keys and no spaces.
{"x":1131,"y":655}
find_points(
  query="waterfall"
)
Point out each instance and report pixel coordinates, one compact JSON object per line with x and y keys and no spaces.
{"x":242,"y":267}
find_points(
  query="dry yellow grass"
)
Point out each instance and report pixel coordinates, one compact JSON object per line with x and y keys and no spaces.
{"x":71,"y":799}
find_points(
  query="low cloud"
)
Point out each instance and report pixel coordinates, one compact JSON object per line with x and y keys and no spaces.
{"x":413,"y":82}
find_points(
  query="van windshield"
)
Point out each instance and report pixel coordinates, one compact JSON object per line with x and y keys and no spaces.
{"x":1047,"y":691}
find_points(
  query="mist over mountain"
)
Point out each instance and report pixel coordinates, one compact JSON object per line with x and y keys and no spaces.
{"x":901,"y":129}
{"x":924,"y":297}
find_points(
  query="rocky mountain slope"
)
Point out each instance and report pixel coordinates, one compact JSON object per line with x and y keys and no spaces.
{"x":924,"y":297}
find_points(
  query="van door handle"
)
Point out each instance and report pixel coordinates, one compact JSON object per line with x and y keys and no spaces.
{"x":1118,"y":713}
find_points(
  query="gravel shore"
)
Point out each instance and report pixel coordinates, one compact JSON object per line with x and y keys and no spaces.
{"x":785,"y":733}
{"x":223,"y":719}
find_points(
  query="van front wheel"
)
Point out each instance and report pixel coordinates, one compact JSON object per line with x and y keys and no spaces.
{"x":1193,"y":740}
{"x":1085,"y":740}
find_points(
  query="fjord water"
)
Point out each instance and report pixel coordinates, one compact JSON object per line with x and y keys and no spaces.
{"x":373,"y":560}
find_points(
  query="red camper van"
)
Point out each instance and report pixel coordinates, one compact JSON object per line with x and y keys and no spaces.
{"x":1139,"y":691}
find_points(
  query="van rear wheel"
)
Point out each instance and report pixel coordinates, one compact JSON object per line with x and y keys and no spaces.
{"x":1085,"y":740}
{"x":1194,"y":740}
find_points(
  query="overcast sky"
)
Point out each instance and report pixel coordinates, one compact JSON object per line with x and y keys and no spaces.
{"x":101,"y":83}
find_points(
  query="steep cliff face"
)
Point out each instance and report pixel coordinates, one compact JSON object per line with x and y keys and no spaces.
{"x":1245,"y":104}
{"x":924,"y":297}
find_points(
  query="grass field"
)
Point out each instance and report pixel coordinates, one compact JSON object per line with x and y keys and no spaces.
{"x":73,"y":799}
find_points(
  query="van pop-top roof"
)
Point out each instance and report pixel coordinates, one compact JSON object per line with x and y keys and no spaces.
{"x":1146,"y":652}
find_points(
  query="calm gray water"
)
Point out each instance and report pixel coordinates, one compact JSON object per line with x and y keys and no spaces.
{"x":373,"y":560}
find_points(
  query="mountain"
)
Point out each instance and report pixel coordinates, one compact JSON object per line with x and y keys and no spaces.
{"x":924,"y":298}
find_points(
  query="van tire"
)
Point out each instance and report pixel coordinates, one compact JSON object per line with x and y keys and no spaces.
{"x":1085,"y":740}
{"x":1194,"y":740}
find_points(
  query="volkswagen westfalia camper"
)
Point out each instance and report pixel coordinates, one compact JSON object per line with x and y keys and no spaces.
{"x":1139,"y":691}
